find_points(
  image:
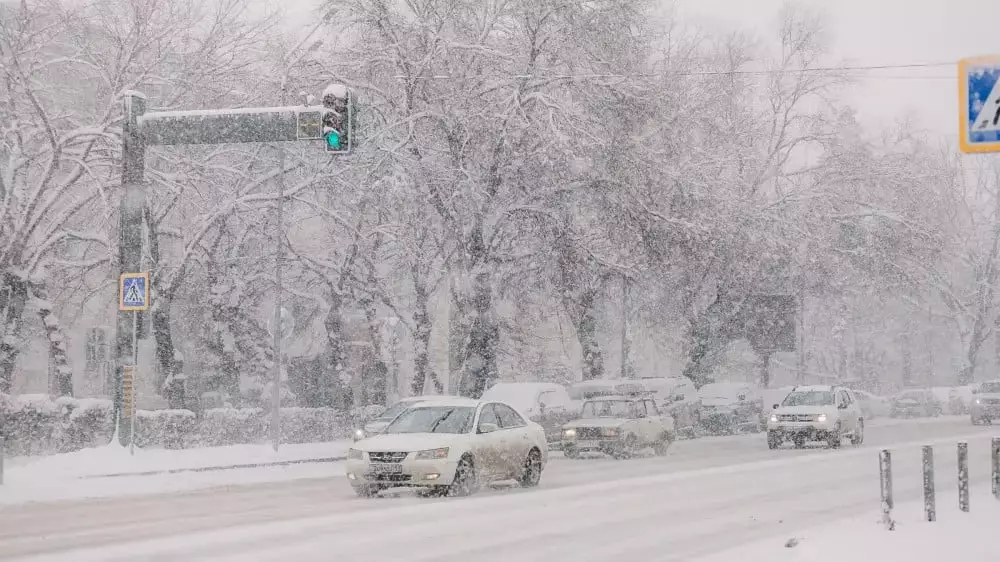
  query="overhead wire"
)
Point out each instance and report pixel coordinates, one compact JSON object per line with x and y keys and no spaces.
{"x":667,"y":73}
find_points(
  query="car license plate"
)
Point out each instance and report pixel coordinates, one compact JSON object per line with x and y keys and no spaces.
{"x":387,"y":468}
{"x":587,"y":444}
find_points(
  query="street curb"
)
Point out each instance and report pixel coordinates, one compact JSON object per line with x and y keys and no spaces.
{"x":214,"y":468}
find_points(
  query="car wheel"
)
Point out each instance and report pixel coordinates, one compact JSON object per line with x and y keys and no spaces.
{"x":661,"y":446}
{"x":774,"y":440}
{"x":859,"y":434}
{"x":367,"y":490}
{"x":464,"y":483}
{"x":532,"y":474}
{"x":627,"y":449}
{"x":834,"y":438}
{"x":571,"y":453}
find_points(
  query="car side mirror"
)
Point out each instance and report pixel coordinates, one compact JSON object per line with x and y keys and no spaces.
{"x":774,"y":407}
{"x":975,"y":391}
{"x":842,"y":406}
{"x":488,"y":427}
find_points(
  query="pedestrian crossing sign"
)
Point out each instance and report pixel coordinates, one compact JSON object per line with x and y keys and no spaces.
{"x":979,"y":104}
{"x":133,"y":292}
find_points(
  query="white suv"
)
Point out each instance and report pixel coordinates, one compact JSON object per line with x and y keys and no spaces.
{"x":816,"y":413}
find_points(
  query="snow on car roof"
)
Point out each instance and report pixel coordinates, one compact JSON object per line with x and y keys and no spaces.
{"x":426,"y":397}
{"x":814,"y":388}
{"x":449,"y":401}
{"x":614,"y":397}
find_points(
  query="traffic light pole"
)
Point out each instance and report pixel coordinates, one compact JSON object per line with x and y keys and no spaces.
{"x":130,"y":242}
{"x":171,"y":128}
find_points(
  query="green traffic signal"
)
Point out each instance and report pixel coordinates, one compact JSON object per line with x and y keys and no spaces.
{"x":333,"y":140}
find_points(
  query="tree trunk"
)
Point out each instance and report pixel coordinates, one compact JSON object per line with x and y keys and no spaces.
{"x":627,"y":369}
{"x":171,"y":382}
{"x":480,"y":369}
{"x":62,"y":384}
{"x":907,"y":354}
{"x":586,"y":333}
{"x":334,"y":384}
{"x":422,"y":327}
{"x":375,"y":385}
{"x":458,"y":329}
{"x":17,"y":289}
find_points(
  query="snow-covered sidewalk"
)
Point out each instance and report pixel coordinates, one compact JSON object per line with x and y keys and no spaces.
{"x":117,"y":460}
{"x":954,"y":536}
{"x":113,"y":471}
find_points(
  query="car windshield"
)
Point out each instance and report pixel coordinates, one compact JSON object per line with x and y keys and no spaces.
{"x":394,"y":410}
{"x":608,"y":409}
{"x":809,"y":398}
{"x":433,"y":419}
{"x":990,"y":388}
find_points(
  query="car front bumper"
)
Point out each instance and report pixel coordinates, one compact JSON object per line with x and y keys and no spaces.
{"x":980,"y":411}
{"x":410,"y":472}
{"x":811,"y":431}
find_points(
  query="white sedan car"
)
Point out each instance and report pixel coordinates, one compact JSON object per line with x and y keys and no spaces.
{"x":450,"y":447}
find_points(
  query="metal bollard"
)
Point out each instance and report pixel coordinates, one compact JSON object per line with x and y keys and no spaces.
{"x":3,"y":451}
{"x":929,"y":509}
{"x":885,"y":482}
{"x":995,"y":454}
{"x":963,"y":476}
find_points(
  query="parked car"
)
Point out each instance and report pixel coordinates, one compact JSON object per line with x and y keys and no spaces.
{"x":545,"y":403}
{"x":619,"y":426}
{"x":384,"y":418}
{"x":449,"y":447}
{"x":916,"y":403}
{"x":769,"y":397}
{"x":678,"y":397}
{"x":729,"y":407}
{"x":986,"y":405}
{"x":872,"y":406}
{"x":816,"y":413}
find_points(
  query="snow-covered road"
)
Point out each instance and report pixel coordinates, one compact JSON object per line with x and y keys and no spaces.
{"x":707,"y":495}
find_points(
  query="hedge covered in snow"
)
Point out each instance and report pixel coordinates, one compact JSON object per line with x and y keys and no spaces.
{"x":35,"y":424}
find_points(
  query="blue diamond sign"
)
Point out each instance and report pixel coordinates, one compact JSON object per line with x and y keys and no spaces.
{"x":133,"y":292}
{"x":979,"y":104}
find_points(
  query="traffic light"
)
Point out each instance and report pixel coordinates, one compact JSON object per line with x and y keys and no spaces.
{"x":338,"y":119}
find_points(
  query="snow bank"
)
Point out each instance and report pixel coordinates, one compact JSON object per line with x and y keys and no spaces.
{"x":954,"y":536}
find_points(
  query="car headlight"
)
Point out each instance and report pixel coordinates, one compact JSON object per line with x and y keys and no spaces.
{"x":979,"y":401}
{"x":569,"y":433}
{"x":821,"y":418}
{"x":431,"y":454}
{"x":774,"y":418}
{"x":610,"y":431}
{"x":359,"y":434}
{"x":355,"y":455}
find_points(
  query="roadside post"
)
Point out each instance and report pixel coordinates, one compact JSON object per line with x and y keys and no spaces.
{"x":133,"y":296}
{"x":963,"y":476}
{"x":3,"y":451}
{"x":885,"y":481}
{"x":995,"y":472}
{"x":928,"y":467}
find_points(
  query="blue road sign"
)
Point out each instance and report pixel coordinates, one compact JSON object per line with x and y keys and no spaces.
{"x":133,"y":294}
{"x":979,"y":104}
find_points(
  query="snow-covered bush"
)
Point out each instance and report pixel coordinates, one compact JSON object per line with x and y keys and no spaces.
{"x":227,"y":426}
{"x":36,"y":424}
{"x":170,"y":429}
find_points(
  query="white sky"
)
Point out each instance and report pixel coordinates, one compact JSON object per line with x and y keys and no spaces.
{"x":862,"y":32}
{"x":876,"y":32}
